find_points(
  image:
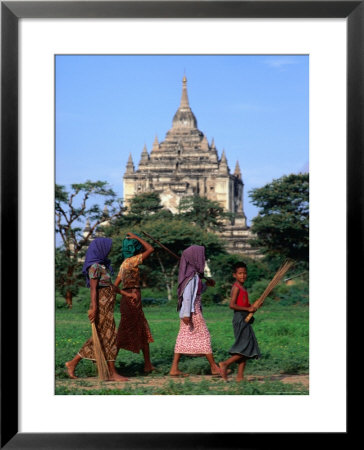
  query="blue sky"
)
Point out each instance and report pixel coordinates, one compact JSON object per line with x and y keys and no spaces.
{"x":108,"y":106}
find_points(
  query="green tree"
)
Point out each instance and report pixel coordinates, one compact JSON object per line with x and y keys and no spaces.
{"x":144,"y":204}
{"x":141,"y":207}
{"x":63,"y":280}
{"x":71,"y":211}
{"x":203,"y":212}
{"x":282,"y":224}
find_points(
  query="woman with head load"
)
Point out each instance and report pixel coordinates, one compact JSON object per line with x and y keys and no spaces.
{"x":133,"y":333}
{"x":97,"y":270}
{"x":193,"y":338}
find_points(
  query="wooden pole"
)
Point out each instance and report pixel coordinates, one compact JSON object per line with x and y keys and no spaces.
{"x":161,"y":245}
{"x":167,"y":250}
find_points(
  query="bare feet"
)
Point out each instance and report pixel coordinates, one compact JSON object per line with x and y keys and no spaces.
{"x":178,"y":373}
{"x":217,"y":371}
{"x":70,"y":369}
{"x":149,"y":369}
{"x":223,"y":369}
{"x":239,"y":379}
{"x":117,"y":377}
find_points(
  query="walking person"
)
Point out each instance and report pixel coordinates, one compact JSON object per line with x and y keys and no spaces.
{"x":97,"y":270}
{"x":193,"y":338}
{"x":246,"y":345}
{"x":133,"y":332}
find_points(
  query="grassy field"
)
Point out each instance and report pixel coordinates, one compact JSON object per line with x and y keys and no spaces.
{"x":282,"y":333}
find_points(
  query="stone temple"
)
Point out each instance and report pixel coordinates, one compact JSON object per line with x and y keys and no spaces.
{"x":186,"y":164}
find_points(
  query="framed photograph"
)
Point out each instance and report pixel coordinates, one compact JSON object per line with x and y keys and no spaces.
{"x":330,"y":34}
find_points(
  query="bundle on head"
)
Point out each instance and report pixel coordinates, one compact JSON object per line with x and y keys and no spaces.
{"x":273,"y":283}
{"x":101,"y":363}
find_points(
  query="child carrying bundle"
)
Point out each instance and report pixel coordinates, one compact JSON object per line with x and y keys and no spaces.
{"x":245,"y":346}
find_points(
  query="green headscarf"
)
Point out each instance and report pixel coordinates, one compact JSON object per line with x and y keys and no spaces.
{"x":131,"y":247}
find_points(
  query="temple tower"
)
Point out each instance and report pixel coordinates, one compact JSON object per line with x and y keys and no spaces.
{"x":184,"y":164}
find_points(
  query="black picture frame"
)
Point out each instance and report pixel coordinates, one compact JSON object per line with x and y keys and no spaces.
{"x":11,"y":12}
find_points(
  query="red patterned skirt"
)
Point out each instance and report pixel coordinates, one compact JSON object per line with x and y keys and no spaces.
{"x":105,"y":326}
{"x":133,"y":332}
{"x":194,"y":338}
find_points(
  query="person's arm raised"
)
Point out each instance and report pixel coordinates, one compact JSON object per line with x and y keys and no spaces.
{"x":148,"y":248}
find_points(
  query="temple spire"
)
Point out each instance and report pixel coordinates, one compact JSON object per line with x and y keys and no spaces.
{"x":223,"y":165}
{"x":144,"y":156}
{"x":87,"y":228}
{"x":144,"y":159}
{"x":155,"y":143}
{"x":237,"y":171}
{"x":184,"y":117}
{"x":204,"y":143}
{"x":130,"y":165}
{"x":105,"y":212}
{"x":184,"y":98}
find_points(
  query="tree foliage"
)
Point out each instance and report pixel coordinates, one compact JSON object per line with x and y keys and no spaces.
{"x":145,"y":204}
{"x":201,"y":211}
{"x":71,"y":211}
{"x":142,"y":207}
{"x":282,"y":224}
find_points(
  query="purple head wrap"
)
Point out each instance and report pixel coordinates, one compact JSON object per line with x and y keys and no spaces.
{"x":192,"y":262}
{"x":97,"y":253}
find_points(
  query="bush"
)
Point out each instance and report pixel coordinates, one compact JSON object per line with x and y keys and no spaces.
{"x":153,"y":292}
{"x":221,"y":266}
{"x":61,"y":303}
{"x":82,"y":298}
{"x":297,"y":293}
{"x":284,"y":294}
{"x":222,"y":269}
{"x":150,"y":301}
{"x":257,"y":290}
{"x":256,"y":271}
{"x":217,"y":294}
{"x":211,"y":296}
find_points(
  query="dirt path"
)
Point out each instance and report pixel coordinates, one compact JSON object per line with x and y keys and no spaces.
{"x":158,"y":381}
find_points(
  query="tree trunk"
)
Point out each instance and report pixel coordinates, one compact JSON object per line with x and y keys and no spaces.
{"x":168,"y":286}
{"x":68,"y":283}
{"x":168,"y":278}
{"x":169,"y":292}
{"x":69,"y":299}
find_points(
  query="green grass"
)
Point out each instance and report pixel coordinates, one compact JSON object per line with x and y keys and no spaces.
{"x":282,"y":334}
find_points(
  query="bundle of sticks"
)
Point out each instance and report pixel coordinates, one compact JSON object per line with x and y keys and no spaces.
{"x":273,"y":283}
{"x":101,"y":362}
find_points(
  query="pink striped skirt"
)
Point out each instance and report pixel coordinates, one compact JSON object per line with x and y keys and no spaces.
{"x":194,"y":338}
